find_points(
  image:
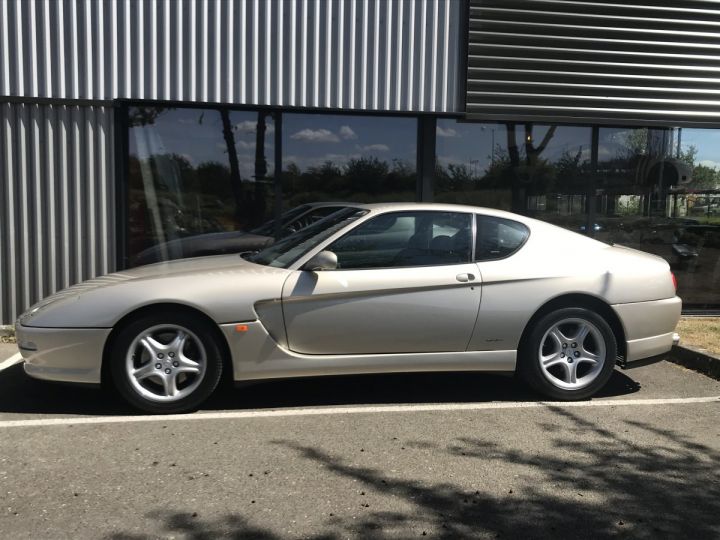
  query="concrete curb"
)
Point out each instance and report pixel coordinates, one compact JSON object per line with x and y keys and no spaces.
{"x":696,"y":360}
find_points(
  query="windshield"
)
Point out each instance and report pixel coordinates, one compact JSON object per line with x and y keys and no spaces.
{"x":268,"y":228}
{"x":286,"y":251}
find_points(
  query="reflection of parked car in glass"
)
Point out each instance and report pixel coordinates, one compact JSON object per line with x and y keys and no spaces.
{"x":223,"y":242}
{"x":705,"y":207}
{"x":677,"y":240}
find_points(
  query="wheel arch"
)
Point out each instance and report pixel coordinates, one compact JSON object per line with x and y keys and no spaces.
{"x":581,"y":300}
{"x":105,"y":375}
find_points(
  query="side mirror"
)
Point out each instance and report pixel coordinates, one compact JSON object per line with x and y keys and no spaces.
{"x":325,"y":260}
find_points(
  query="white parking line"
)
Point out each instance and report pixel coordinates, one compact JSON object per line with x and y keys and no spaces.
{"x":14,"y":359}
{"x":324,"y":411}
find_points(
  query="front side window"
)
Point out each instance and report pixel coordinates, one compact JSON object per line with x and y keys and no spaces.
{"x":403,"y":239}
{"x":288,"y":250}
{"x":498,"y":238}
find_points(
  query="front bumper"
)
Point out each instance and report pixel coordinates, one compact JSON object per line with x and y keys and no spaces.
{"x":62,"y":354}
{"x":649,"y":327}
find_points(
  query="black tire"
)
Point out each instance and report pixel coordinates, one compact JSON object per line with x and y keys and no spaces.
{"x":207,"y":336}
{"x":529,"y":364}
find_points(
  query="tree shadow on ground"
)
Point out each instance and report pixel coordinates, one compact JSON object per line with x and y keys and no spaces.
{"x":22,"y":394}
{"x":592,"y":482}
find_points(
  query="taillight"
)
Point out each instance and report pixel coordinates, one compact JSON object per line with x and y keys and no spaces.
{"x":674,"y":280}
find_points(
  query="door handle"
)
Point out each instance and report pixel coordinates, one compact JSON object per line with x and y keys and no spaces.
{"x":464,"y":278}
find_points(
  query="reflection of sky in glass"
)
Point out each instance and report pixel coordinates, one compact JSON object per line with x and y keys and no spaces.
{"x":470,"y":144}
{"x":707,"y":142}
{"x":197,"y":135}
{"x":312,"y":139}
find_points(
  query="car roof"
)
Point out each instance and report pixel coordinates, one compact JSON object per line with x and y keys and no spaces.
{"x":334,"y":203}
{"x":443,"y":207}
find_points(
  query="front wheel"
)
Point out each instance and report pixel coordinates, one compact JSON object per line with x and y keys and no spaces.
{"x":569,"y":354}
{"x":166,"y":362}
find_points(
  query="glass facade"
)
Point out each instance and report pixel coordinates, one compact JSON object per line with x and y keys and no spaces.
{"x":207,"y":174}
{"x":656,"y":190}
{"x":195,"y":172}
{"x":348,"y":158}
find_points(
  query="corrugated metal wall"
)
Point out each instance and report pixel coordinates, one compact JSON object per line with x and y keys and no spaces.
{"x":56,"y":161}
{"x":354,"y":54}
{"x":56,"y":200}
{"x":603,"y":62}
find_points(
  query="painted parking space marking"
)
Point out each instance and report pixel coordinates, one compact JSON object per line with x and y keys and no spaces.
{"x":325,"y":411}
{"x":14,"y":359}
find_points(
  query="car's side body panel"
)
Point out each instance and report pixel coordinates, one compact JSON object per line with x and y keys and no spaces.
{"x":649,"y":335}
{"x":257,"y":356}
{"x":554,"y":263}
{"x":392,"y":310}
{"x":62,"y":354}
{"x":225,"y":288}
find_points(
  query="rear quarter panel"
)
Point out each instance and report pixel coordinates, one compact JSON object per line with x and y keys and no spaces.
{"x":555,"y":262}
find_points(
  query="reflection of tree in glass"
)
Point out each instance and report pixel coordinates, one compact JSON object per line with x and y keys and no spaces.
{"x":703,"y":177}
{"x":143,"y":116}
{"x":519,"y":168}
{"x":362,"y":179}
{"x":249,"y":205}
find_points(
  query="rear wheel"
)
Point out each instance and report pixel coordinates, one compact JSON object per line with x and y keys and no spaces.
{"x":166,"y":362}
{"x":569,"y":354}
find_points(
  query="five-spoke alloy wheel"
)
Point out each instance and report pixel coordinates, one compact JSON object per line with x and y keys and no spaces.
{"x":166,"y":362}
{"x":568,"y":354}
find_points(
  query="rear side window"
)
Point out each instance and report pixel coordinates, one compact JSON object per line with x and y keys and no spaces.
{"x":498,"y":238}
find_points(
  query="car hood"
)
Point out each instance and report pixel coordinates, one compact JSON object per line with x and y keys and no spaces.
{"x":204,"y":244}
{"x":225,"y":288}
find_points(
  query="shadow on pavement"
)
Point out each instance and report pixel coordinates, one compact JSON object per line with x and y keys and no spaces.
{"x":599,"y":485}
{"x":21,"y":394}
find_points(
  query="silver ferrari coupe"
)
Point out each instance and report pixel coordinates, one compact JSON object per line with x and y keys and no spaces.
{"x":376,"y":288}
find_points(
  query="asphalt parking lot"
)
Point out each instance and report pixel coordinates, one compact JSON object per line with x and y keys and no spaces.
{"x":401,"y":456}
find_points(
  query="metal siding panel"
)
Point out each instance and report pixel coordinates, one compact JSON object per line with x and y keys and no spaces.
{"x":610,"y":62}
{"x":308,"y":53}
{"x":5,"y":51}
{"x":56,"y":186}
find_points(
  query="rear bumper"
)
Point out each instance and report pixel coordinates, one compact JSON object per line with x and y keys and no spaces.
{"x":62,"y":354}
{"x":649,"y":327}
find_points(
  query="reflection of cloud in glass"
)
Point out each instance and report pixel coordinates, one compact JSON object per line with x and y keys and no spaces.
{"x":347,"y":133}
{"x":249,"y":126}
{"x":710,"y":163}
{"x":446,"y":132}
{"x":315,"y":135}
{"x":374,"y":148}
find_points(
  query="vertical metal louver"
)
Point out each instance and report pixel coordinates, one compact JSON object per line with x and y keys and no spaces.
{"x":56,"y":200}
{"x":655,"y":62}
{"x":394,"y":55}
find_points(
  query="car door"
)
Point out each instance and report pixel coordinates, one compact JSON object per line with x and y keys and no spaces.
{"x":507,"y":288}
{"x":405,"y":283}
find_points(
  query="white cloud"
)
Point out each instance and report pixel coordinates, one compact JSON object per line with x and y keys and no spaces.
{"x":315,"y":135}
{"x":245,"y":145}
{"x":347,"y":133}
{"x":249,"y":126}
{"x":374,"y":148}
{"x":442,"y":132}
{"x":710,"y":163}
